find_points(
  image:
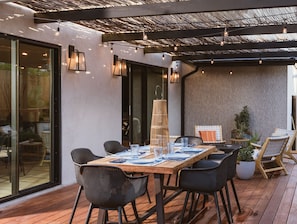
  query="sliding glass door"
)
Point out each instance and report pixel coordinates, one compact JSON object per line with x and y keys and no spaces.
{"x":142,"y":85}
{"x":27,"y":151}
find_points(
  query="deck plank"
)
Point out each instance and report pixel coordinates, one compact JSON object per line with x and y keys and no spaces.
{"x":263,"y":201}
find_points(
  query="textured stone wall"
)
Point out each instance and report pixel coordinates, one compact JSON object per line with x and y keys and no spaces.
{"x":216,"y":96}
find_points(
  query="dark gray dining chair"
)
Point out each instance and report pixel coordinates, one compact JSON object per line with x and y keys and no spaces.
{"x":112,"y":147}
{"x":231,"y":171}
{"x":109,"y":188}
{"x":207,"y":179}
{"x":79,"y":157}
{"x":192,"y":140}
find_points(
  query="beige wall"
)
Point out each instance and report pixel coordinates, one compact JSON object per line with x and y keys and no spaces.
{"x":216,"y":96}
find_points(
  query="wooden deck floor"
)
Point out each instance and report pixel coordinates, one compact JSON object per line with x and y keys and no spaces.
{"x":263,"y":201}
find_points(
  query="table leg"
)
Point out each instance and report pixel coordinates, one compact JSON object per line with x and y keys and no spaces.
{"x":159,"y":178}
{"x":101,"y":216}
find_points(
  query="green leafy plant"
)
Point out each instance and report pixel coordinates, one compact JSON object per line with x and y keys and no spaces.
{"x":246,"y":154}
{"x":242,"y":123}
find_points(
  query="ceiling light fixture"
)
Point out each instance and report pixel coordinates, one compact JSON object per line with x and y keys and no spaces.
{"x":175,"y":74}
{"x":58,"y":29}
{"x":119,"y":66}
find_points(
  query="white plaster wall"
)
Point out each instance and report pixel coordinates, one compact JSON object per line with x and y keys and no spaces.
{"x":91,"y":102}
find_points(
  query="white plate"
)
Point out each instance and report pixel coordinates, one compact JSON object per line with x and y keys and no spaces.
{"x":177,"y":156}
{"x":142,"y":161}
{"x":191,"y":150}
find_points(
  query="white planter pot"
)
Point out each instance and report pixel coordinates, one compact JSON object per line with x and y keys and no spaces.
{"x":245,"y":169}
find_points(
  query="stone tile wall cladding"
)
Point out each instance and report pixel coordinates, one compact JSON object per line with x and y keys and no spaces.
{"x":216,"y":96}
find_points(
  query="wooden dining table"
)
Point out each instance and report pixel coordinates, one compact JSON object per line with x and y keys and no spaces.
{"x":158,"y":170}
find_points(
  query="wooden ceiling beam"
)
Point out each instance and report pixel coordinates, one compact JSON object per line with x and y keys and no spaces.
{"x":227,"y":46}
{"x":157,"y":9}
{"x":198,"y":33}
{"x":277,"y":54}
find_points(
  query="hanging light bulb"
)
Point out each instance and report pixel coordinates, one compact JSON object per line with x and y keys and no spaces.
{"x":222,"y":42}
{"x":136,"y":49}
{"x":144,"y":36}
{"x":226,"y":34}
{"x":231,"y":72}
{"x":260,"y":61}
{"x":111,"y":48}
{"x":175,"y":48}
{"x":285,"y":30}
{"x":163,"y":57}
{"x":212,"y":61}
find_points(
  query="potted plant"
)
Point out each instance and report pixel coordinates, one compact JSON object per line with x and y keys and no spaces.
{"x":246,"y":164}
{"x":242,"y":124}
{"x":245,"y":167}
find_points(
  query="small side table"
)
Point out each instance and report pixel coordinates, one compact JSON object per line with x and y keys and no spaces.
{"x":240,"y":141}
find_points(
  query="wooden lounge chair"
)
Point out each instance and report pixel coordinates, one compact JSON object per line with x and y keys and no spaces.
{"x":270,"y":155}
{"x":292,"y":137}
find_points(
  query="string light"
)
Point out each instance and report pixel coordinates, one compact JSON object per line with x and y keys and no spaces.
{"x":285,"y":30}
{"x":222,"y":42}
{"x":144,"y":36}
{"x":226,"y":34}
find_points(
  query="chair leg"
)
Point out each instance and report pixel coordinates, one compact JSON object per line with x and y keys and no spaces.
{"x":184,"y":207}
{"x":229,"y":203}
{"x":135,"y":211}
{"x":194,"y":204}
{"x":125,"y":215}
{"x":89,"y":213}
{"x":235,"y":195}
{"x":217,"y":207}
{"x":225,"y":207}
{"x":75,"y":203}
{"x":120,"y":215}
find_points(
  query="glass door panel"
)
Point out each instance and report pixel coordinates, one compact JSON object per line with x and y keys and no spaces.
{"x":34,"y":115}
{"x":5,"y":121}
{"x":25,"y":118}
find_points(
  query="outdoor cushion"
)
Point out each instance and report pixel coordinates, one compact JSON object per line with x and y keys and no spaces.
{"x":208,"y":136}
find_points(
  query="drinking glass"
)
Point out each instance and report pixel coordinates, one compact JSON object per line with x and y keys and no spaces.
{"x":185,"y":142}
{"x":158,"y":151}
{"x":170,"y":147}
{"x":134,"y":150}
